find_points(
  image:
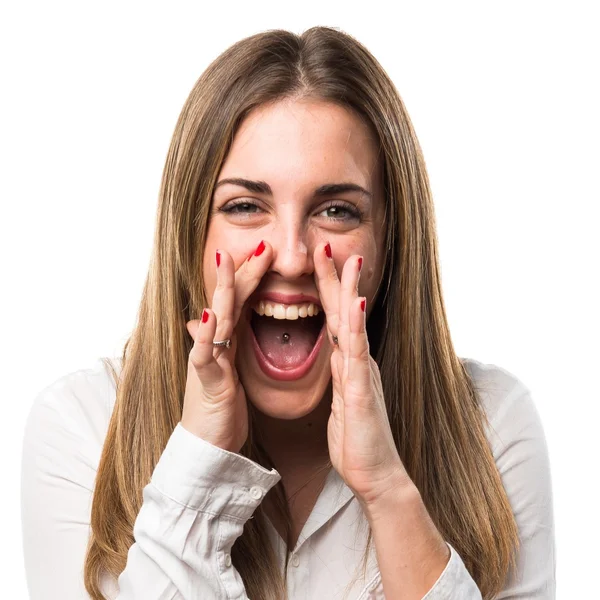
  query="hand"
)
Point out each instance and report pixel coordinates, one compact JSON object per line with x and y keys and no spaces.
{"x":214,"y":405}
{"x":361,"y":445}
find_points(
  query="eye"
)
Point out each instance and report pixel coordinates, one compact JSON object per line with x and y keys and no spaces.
{"x":334,"y":209}
{"x":240,"y":207}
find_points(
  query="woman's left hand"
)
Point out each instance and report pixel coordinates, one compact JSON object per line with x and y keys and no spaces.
{"x":361,"y":445}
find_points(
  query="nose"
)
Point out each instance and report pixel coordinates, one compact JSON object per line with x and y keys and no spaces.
{"x":293,"y":248}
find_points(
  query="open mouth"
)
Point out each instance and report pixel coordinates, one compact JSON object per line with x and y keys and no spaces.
{"x":287,"y":343}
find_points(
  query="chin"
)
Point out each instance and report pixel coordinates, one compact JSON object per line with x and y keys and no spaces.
{"x":286,"y":404}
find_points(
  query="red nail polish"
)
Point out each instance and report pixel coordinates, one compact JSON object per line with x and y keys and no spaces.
{"x":218,"y":257}
{"x":363,"y":303}
{"x":328,"y":250}
{"x":204,"y":315}
{"x":359,"y":263}
{"x":260,"y":249}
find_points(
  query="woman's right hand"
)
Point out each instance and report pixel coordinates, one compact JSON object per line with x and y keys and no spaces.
{"x":214,"y":405}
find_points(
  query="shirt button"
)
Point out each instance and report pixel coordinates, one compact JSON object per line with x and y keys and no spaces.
{"x":228,"y":560}
{"x":295,"y":560}
{"x":256,"y":492}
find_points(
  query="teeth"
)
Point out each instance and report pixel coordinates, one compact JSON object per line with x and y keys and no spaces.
{"x":290,"y":312}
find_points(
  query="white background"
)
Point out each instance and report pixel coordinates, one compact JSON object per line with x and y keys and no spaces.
{"x":504,"y":100}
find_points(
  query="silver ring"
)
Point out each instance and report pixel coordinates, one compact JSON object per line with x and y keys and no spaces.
{"x":226,"y":343}
{"x":335,"y":340}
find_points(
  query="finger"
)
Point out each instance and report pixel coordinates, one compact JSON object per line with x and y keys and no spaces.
{"x":337,"y":365}
{"x":328,"y":286}
{"x":348,"y":295}
{"x":376,"y":382}
{"x":223,"y":299}
{"x":210,"y":372}
{"x":359,"y":368}
{"x":250,"y":274}
{"x":234,"y":287}
{"x":337,"y":401}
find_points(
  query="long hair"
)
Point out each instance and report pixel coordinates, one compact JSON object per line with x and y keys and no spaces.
{"x":435,"y":414}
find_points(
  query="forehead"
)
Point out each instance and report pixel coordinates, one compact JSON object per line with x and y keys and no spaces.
{"x":303,"y":143}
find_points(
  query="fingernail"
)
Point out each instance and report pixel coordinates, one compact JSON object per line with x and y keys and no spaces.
{"x":204,"y":315}
{"x":363,"y":303}
{"x":218,"y":258}
{"x":259,"y":250}
{"x":328,"y":250}
{"x":359,"y":263}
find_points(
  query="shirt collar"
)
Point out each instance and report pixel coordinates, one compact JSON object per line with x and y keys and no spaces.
{"x":333,"y":497}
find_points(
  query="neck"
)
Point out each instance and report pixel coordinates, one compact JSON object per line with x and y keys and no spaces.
{"x":297,"y":442}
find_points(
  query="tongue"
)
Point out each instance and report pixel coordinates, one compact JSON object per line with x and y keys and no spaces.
{"x":285,"y":352}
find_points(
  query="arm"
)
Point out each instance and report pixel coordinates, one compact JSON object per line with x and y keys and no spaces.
{"x":521,"y":455}
{"x":59,"y":459}
{"x":193,"y":510}
{"x":518,"y":444}
{"x":430,"y":569}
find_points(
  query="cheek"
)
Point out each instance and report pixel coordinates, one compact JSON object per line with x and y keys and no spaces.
{"x":209,"y":275}
{"x":209,"y":263}
{"x":239,"y":247}
{"x":365,"y":246}
{"x":370,"y":275}
{"x":368,"y":282}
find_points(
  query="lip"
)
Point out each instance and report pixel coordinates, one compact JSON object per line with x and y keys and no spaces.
{"x":288,"y":374}
{"x":282,"y":298}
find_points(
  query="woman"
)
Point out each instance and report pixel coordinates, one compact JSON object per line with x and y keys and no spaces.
{"x":289,"y":417}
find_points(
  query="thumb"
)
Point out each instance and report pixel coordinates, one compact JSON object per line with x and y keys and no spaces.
{"x":192,"y":327}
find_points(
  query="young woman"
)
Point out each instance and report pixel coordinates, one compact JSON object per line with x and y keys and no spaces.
{"x":289,"y":417}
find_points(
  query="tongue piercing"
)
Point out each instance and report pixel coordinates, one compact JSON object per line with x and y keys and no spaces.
{"x":286,"y":338}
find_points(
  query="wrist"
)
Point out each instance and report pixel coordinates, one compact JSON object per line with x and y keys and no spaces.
{"x":390,"y":487}
{"x":397,"y":490}
{"x":400,"y":521}
{"x":206,"y":435}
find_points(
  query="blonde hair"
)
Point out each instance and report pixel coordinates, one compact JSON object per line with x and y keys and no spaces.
{"x":433,"y":408}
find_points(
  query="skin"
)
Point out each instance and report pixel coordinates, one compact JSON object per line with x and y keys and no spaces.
{"x":296,"y":146}
{"x":338,"y":409}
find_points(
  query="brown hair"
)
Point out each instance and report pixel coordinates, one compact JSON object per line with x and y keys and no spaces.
{"x":434,"y":410}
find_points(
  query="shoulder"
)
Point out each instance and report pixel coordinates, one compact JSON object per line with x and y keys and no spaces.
{"x":72,"y":412}
{"x":518,"y":443}
{"x":61,"y":449}
{"x":508,"y":405}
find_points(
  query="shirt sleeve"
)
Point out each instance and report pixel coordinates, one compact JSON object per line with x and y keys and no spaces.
{"x":60,"y":454}
{"x":521,"y":454}
{"x":194,"y":509}
{"x":519,"y":448}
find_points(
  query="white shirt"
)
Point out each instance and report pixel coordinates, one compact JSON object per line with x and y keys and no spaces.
{"x":200,"y":496}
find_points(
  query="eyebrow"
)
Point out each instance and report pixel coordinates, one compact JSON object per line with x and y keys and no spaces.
{"x":262,"y":187}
